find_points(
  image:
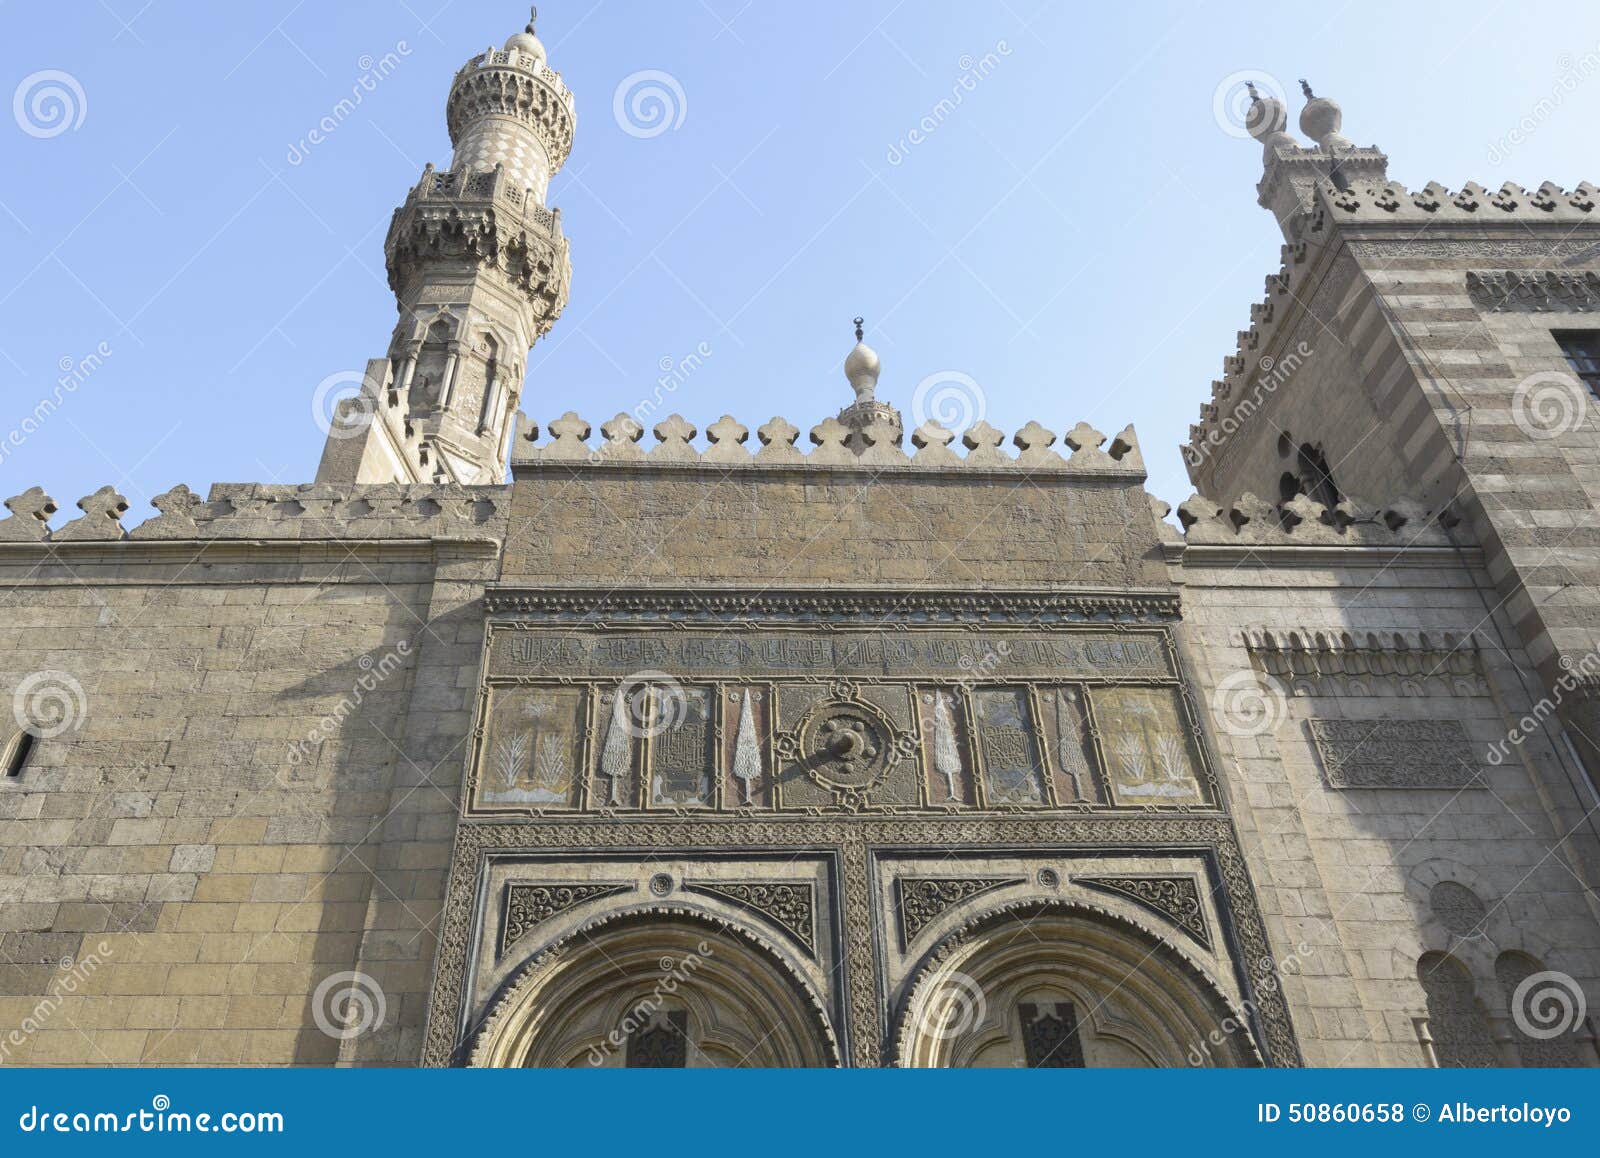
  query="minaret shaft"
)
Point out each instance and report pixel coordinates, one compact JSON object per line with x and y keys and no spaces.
{"x":479,"y":269}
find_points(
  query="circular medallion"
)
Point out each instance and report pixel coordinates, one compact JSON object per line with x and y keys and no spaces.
{"x":847,"y":745}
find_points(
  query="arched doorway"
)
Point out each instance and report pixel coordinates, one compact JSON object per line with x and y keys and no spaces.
{"x":662,"y":990}
{"x":1064,"y":986}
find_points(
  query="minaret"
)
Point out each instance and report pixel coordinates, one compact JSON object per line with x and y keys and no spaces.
{"x":479,"y":269}
{"x":861,"y":367}
{"x":1291,"y":171}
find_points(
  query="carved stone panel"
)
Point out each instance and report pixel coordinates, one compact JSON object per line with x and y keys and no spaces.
{"x":1177,"y":899}
{"x":533,"y":753}
{"x":1149,"y":747}
{"x":530,"y":905}
{"x":1396,"y":754}
{"x":1007,"y":747}
{"x":919,"y":901}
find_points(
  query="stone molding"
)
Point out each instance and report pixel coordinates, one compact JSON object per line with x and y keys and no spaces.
{"x":1342,"y":663}
{"x":1534,"y":290}
{"x":1022,"y":606}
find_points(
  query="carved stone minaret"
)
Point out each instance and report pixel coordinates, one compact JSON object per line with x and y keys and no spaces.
{"x":479,"y":269}
{"x":1291,"y":171}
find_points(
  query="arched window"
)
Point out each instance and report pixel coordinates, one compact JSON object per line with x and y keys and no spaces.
{"x":1530,"y":1011}
{"x":1456,"y":1022}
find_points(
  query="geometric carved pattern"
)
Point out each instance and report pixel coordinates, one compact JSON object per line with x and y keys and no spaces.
{"x":1175,"y":898}
{"x":792,"y":907}
{"x":1396,"y":754}
{"x":530,"y":905}
{"x":920,"y":900}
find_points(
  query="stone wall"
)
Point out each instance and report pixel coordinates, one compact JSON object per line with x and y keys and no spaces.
{"x":1298,"y":649}
{"x":253,"y":786}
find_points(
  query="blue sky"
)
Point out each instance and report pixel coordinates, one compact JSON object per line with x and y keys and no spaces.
{"x":1079,"y":237}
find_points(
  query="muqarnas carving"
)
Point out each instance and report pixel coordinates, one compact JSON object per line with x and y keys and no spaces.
{"x":1012,"y":770}
{"x":1396,"y":754}
{"x":533,"y":750}
{"x":1149,"y":747}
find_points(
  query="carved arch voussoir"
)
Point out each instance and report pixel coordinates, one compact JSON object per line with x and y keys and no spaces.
{"x":993,"y":917}
{"x":477,"y":1042}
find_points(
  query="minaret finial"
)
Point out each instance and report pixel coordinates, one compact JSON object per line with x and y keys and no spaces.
{"x":861,"y":334}
{"x":1306,"y":88}
{"x":533,"y":18}
{"x":1251,"y":86}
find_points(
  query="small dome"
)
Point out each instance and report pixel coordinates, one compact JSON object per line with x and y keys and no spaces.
{"x":1321,"y":120}
{"x":1265,"y":121}
{"x":526,"y":42}
{"x":861,"y":367}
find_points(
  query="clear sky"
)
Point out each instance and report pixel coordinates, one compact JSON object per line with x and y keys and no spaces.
{"x":1076,"y":234}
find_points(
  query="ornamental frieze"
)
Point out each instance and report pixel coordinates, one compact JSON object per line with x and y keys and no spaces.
{"x":1415,"y":754}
